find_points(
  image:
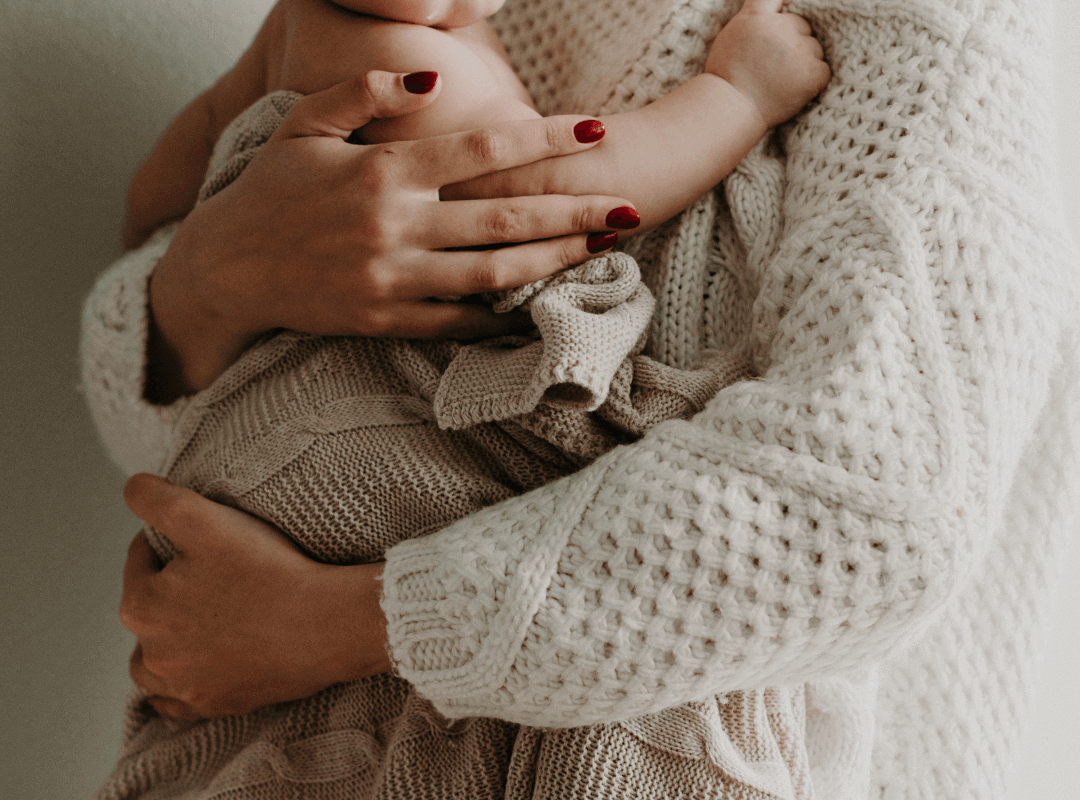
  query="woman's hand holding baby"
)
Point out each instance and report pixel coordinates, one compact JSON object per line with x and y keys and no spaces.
{"x":332,"y":238}
{"x":770,"y":57}
{"x":295,"y":626}
{"x":439,"y":13}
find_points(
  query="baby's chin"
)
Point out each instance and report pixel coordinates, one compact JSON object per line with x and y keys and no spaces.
{"x":437,"y":13}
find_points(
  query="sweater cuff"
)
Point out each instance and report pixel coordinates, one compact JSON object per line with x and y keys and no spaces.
{"x":459,"y":603}
{"x":115,"y":328}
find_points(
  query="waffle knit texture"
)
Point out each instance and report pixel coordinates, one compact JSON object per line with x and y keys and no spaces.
{"x":877,"y":515}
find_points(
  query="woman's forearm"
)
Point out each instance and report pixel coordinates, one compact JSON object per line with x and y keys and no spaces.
{"x":662,"y":157}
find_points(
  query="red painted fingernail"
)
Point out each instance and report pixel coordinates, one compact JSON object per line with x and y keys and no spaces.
{"x":589,"y":130}
{"x":624,"y":218}
{"x":420,"y":82}
{"x":598,"y":242}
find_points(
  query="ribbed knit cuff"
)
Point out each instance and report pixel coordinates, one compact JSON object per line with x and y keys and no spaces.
{"x":459,"y":603}
{"x":115,"y":327}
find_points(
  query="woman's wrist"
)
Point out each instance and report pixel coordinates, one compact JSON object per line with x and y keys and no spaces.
{"x":361,"y":634}
{"x":192,"y":336}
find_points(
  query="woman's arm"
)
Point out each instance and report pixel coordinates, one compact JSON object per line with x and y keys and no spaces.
{"x":167,"y":183}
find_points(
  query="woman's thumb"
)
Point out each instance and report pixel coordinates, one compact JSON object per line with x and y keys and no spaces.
{"x":177,"y":512}
{"x":351,"y":104}
{"x":191,"y":522}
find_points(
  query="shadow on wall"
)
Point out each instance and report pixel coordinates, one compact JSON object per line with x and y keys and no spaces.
{"x":85,"y":90}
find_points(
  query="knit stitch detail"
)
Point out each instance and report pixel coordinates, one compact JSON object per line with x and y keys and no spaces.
{"x":115,"y":322}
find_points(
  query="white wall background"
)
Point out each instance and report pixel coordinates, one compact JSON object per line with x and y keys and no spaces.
{"x":85,"y":88}
{"x":1049,"y":766}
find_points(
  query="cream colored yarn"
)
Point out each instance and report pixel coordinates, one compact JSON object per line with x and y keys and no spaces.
{"x":877,"y":515}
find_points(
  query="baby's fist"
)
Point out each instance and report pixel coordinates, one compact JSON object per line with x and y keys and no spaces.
{"x":772,"y":58}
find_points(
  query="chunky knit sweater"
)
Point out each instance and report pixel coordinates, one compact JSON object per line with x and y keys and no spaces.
{"x":877,"y":515}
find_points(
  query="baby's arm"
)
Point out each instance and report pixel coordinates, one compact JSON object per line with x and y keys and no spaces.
{"x":762,"y":69}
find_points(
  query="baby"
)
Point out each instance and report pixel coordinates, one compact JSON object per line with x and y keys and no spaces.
{"x":350,"y":445}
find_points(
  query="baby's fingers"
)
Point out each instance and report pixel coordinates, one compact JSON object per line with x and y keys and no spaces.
{"x":351,"y":104}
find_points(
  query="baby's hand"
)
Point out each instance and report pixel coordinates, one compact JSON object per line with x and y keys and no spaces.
{"x":772,"y":58}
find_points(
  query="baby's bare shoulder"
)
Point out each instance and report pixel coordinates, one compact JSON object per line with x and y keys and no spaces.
{"x":321,"y":44}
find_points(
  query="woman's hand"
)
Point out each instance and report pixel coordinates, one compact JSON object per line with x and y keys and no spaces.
{"x":240,"y":617}
{"x":328,"y":237}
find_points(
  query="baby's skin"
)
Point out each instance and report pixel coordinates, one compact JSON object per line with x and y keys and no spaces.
{"x":762,"y":69}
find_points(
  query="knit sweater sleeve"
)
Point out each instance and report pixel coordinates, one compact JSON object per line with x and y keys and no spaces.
{"x":813,"y":521}
{"x":115,"y":323}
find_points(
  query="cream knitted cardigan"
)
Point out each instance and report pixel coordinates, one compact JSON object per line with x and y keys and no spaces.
{"x":878,"y":514}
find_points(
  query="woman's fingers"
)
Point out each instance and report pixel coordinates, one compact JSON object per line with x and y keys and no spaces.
{"x":177,"y":512}
{"x":431,"y":319}
{"x":441,"y":160}
{"x":470,"y":272}
{"x":476,"y":271}
{"x":189,"y":520}
{"x":158,"y":691}
{"x":475,"y":223}
{"x":151,"y":498}
{"x":140,"y":569}
{"x":349,"y":105}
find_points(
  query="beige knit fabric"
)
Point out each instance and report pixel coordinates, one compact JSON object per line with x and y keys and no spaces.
{"x":878,"y":514}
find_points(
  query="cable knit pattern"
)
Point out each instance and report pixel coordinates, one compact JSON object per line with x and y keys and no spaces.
{"x":877,"y":514}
